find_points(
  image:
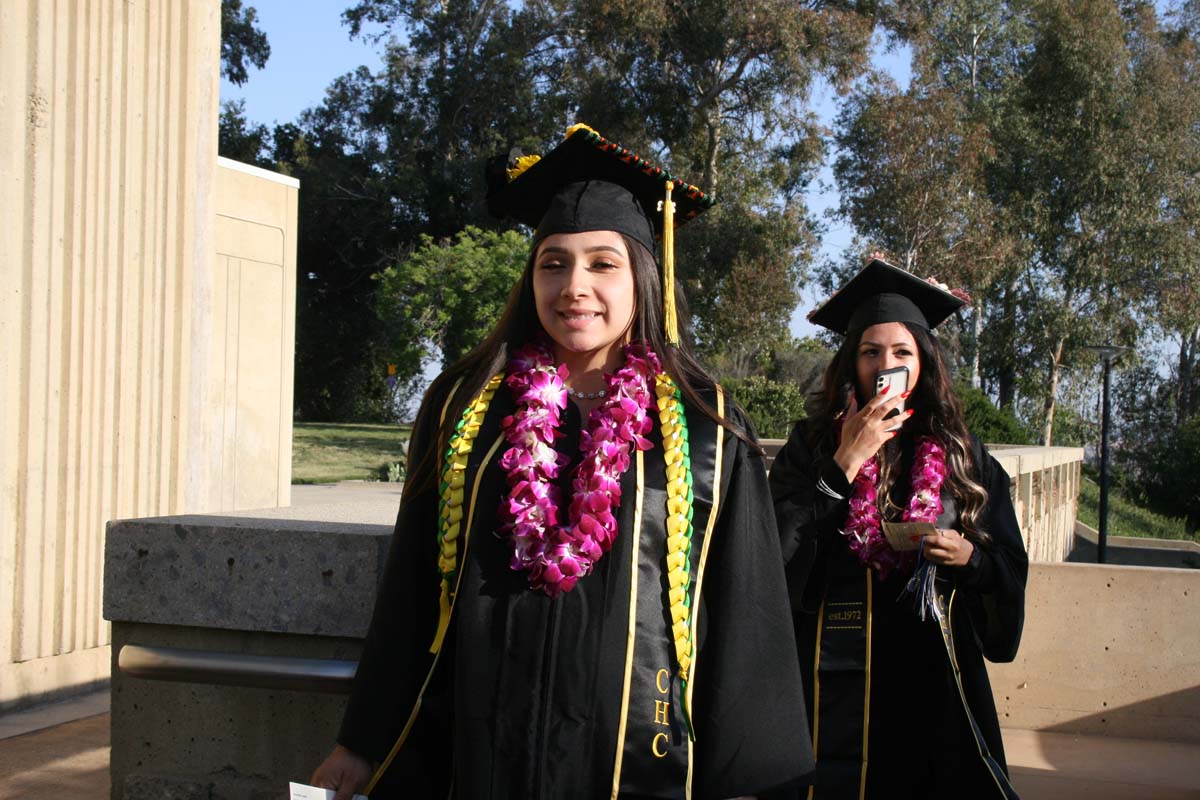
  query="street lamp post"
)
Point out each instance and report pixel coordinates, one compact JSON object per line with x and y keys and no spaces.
{"x":1107,"y":353}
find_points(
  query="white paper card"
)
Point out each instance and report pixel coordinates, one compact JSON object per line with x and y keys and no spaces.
{"x":907,"y":535}
{"x":301,"y":791}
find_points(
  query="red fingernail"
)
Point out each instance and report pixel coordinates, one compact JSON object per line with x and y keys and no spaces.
{"x":906,"y":394}
{"x":912,"y":411}
{"x":884,"y":390}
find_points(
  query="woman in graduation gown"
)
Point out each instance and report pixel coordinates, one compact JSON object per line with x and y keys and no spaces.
{"x":892,"y":643}
{"x":584,"y":595}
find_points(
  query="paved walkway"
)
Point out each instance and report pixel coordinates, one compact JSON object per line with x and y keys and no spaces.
{"x":70,"y":760}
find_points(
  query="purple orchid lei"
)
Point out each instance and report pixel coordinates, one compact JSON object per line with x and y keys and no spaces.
{"x":864,"y":529}
{"x":555,"y":555}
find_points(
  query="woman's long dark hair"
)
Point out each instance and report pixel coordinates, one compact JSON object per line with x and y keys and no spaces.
{"x":938,"y":414}
{"x":519,"y":324}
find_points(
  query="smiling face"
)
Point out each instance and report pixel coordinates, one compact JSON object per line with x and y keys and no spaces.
{"x":883,"y":346}
{"x":584,"y":291}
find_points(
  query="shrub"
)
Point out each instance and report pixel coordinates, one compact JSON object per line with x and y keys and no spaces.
{"x":992,"y":425}
{"x":771,"y":405}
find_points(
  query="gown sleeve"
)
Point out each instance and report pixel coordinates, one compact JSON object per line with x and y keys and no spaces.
{"x":811,"y":500}
{"x":751,"y":724}
{"x":395,"y":657}
{"x":993,"y":585}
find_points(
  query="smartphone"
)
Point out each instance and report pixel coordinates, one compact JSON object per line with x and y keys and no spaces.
{"x":896,"y":379}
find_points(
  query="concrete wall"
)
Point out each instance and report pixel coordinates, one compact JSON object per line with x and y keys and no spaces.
{"x":265,"y":585}
{"x":1045,"y":493}
{"x":107,"y":147}
{"x":1107,"y":650}
{"x":146,"y":312}
{"x":253,"y":323}
{"x":1134,"y":551}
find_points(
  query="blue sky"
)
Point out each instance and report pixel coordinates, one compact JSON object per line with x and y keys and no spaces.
{"x":310,"y":47}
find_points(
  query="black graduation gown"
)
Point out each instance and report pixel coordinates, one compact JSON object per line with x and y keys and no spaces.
{"x":920,"y":743}
{"x":529,"y":694}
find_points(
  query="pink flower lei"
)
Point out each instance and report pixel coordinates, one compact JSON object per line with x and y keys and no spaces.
{"x":864,"y":529}
{"x":555,"y":555}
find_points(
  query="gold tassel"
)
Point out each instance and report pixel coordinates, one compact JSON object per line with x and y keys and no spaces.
{"x":670,"y":321}
{"x":443,"y":618}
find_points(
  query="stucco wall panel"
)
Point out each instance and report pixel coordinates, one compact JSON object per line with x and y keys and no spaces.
{"x":107,"y":161}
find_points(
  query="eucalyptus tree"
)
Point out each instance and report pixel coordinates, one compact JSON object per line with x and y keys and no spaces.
{"x":1086,"y":144}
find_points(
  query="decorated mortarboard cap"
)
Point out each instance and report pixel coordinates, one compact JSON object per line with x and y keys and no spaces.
{"x":588,"y":183}
{"x":882,"y":293}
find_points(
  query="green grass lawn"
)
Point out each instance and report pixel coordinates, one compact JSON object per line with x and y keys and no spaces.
{"x":1124,"y":517}
{"x":327,"y":452}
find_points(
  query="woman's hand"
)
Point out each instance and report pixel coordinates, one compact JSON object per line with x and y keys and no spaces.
{"x":949,"y":548}
{"x":864,"y":431}
{"x":344,"y":771}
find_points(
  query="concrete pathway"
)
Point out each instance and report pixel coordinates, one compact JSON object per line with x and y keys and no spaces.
{"x":70,"y":760}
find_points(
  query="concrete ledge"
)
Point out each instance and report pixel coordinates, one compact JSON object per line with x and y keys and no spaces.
{"x":170,"y":737}
{"x":264,"y":575}
{"x":1135,"y":551}
{"x":283,"y":583}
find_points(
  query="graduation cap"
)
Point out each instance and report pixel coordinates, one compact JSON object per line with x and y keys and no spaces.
{"x":882,"y":293}
{"x":588,"y":183}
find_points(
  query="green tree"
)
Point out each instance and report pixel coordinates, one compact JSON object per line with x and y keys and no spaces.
{"x":913,"y":165}
{"x":240,"y":139}
{"x":720,"y":92}
{"x":445,"y":296}
{"x":243,"y":43}
{"x":391,"y":155}
{"x":772,"y":406}
{"x":1087,"y":121}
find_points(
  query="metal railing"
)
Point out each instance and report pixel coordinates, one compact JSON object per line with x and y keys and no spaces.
{"x":327,"y":675}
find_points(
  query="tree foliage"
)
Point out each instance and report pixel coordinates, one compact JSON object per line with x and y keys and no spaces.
{"x":445,"y":296}
{"x":243,"y":43}
{"x":720,"y":92}
{"x":1043,"y":157}
{"x":773,"y":407}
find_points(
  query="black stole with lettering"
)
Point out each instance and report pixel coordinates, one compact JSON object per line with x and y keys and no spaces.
{"x":656,"y":745}
{"x":843,"y":686}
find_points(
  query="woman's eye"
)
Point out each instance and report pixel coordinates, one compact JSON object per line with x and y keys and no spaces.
{"x":551,"y":265}
{"x":603,"y":265}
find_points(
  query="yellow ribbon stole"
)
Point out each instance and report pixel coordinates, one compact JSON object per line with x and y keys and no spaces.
{"x":450,"y":516}
{"x":447,"y":594}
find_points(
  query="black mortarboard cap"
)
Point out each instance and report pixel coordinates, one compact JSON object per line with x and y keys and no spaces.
{"x":571,"y":189}
{"x":883,"y":293}
{"x":588,"y":183}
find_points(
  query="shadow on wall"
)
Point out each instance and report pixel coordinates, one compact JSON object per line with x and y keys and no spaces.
{"x":1143,"y":720}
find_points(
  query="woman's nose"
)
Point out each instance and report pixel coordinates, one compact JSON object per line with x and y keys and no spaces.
{"x":576,"y":283}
